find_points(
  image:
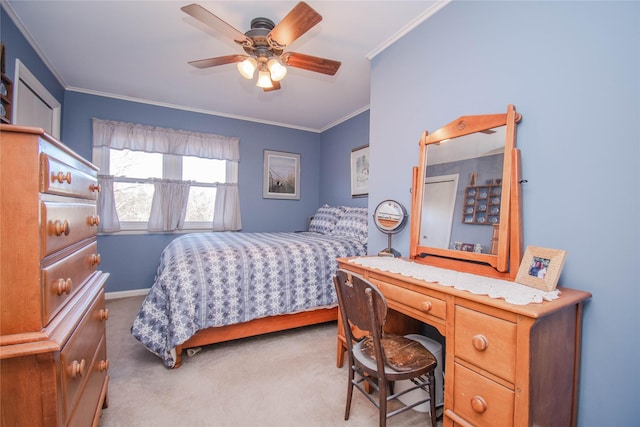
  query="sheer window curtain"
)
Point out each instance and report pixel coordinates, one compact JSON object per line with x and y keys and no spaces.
{"x":168,"y":211}
{"x":109,"y":221}
{"x":169,"y":205}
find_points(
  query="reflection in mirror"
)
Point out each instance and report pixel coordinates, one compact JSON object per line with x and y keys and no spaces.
{"x":462,"y":192}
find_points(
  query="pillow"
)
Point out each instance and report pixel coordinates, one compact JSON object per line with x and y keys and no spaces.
{"x":354,"y":222}
{"x":325,"y":219}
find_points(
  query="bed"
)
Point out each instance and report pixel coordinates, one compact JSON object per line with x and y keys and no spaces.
{"x":218,"y":286}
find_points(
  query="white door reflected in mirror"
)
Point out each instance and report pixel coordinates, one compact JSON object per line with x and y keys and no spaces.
{"x":439,"y":191}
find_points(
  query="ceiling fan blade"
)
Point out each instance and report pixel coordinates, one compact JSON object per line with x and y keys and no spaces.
{"x":220,"y":60}
{"x":203,"y":15}
{"x":276,"y":86}
{"x":300,"y":20}
{"x":311,"y":63}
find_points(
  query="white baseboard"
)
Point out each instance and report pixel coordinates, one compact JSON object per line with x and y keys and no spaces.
{"x":125,"y":294}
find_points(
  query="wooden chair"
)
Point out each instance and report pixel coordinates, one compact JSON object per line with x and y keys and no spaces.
{"x":379,"y":359}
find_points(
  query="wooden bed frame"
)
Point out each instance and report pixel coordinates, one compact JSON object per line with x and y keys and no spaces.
{"x":257,"y":327}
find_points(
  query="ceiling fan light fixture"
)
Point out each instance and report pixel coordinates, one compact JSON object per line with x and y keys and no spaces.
{"x":247,"y":67}
{"x":277,"y":70}
{"x":264,"y":79}
{"x":264,"y":45}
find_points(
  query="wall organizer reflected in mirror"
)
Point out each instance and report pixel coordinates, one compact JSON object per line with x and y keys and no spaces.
{"x":466,"y":194}
{"x":390,"y":217}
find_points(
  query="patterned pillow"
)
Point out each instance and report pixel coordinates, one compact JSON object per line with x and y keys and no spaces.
{"x":354,"y":222}
{"x":325,"y":219}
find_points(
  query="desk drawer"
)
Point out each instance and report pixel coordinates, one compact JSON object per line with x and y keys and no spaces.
{"x":59,"y":178}
{"x":486,"y":341}
{"x":64,"y":224}
{"x":62,"y":279}
{"x":424,"y":303}
{"x":77,"y":356}
{"x":480,"y":401}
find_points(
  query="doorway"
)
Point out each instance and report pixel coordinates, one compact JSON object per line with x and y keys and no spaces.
{"x":438,"y":206}
{"x":33,"y":104}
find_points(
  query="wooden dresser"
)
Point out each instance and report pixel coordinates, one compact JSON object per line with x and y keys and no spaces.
{"x":53,"y":355}
{"x":506,"y":365}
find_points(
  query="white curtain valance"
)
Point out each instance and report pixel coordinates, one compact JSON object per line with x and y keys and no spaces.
{"x":122,"y":135}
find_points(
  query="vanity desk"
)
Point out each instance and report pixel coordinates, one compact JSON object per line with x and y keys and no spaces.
{"x":510,"y":360}
{"x":506,"y":364}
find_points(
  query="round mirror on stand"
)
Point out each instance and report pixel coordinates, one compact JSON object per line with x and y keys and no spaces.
{"x":390,"y":217}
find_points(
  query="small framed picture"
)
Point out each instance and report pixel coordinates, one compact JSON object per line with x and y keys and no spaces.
{"x":281,"y":175}
{"x":360,"y":171}
{"x":467,"y":247}
{"x":541,"y":267}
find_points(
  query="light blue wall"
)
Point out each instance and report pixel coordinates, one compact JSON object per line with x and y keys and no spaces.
{"x":258,"y":214}
{"x":335,"y":161}
{"x":17,"y":47}
{"x":132,"y":260}
{"x":572,"y":69}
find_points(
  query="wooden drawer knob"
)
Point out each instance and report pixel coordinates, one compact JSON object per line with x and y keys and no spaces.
{"x":480,"y":342}
{"x":103,"y":365}
{"x":425,"y":306}
{"x":478,"y":404}
{"x":77,"y":368}
{"x":104,"y":314}
{"x":61,"y":227}
{"x":95,"y":188}
{"x":94,"y":259}
{"x":63,"y":286}
{"x":94,"y":220}
{"x":61,"y":177}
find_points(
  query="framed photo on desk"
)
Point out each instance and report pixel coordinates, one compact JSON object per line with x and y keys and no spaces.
{"x":540,"y":268}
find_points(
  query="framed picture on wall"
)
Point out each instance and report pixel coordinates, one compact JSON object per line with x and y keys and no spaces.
{"x":360,"y":171}
{"x":281,"y":175}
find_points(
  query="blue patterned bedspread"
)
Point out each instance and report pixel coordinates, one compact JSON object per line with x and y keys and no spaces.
{"x":217,"y":279}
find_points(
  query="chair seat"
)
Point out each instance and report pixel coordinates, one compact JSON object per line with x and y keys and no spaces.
{"x":403,"y":354}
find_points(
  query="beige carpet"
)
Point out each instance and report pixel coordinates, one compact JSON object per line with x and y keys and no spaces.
{"x":281,"y":379}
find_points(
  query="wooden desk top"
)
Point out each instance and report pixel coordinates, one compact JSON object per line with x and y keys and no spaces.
{"x":567,"y":296}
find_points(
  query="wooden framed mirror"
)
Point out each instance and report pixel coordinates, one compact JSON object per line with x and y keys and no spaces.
{"x":466,"y":211}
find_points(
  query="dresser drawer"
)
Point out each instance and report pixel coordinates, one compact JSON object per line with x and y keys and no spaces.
{"x":480,"y":401}
{"x":424,"y":303}
{"x":58,"y":177}
{"x":486,"y":341}
{"x":62,"y":279}
{"x":64,"y":224}
{"x":90,"y":401}
{"x":77,"y":356}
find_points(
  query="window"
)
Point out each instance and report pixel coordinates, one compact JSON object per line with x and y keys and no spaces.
{"x":134,"y":173}
{"x":173,"y":188}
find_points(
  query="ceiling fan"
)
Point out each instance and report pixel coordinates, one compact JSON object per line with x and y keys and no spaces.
{"x":264,"y":44}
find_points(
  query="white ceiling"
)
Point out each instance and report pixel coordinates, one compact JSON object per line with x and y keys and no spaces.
{"x":139,"y":50}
